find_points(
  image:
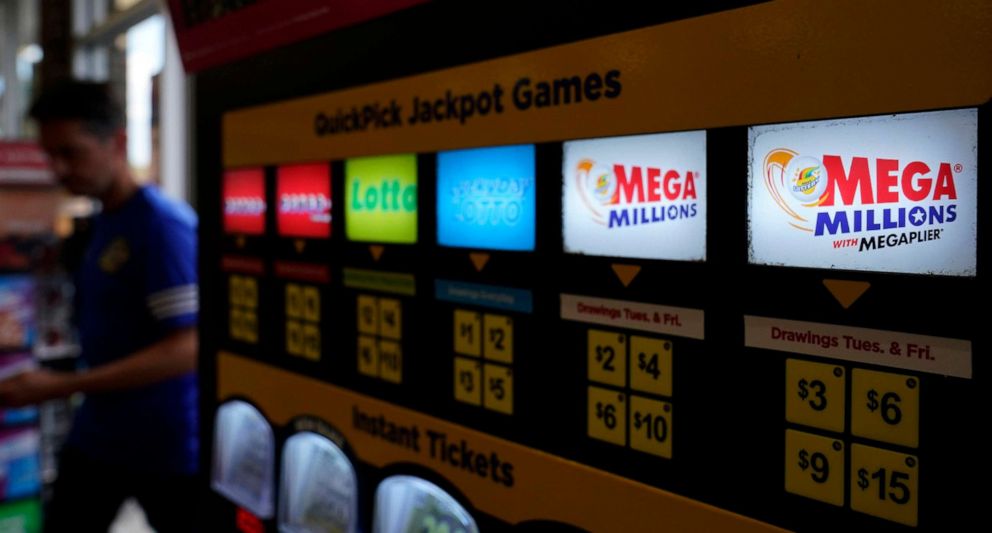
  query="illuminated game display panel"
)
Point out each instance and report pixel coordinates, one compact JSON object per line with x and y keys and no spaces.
{"x":640,"y":197}
{"x":888,"y":193}
{"x":244,"y":201}
{"x":486,"y":198}
{"x":303,"y":196}
{"x":381,"y":199}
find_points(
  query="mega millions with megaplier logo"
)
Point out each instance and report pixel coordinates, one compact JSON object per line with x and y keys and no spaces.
{"x":890,"y":193}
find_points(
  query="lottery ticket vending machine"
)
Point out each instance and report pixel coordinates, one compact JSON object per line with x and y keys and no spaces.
{"x":594,"y":284}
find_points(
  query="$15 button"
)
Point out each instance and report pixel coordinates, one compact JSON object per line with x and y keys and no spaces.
{"x":884,"y":484}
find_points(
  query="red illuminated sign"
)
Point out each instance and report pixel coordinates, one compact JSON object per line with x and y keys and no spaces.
{"x":303,"y":194}
{"x":244,"y":201}
{"x":24,"y":163}
{"x":211,"y":33}
{"x":248,"y":523}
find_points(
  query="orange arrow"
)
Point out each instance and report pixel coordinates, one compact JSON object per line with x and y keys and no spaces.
{"x":846,"y":292}
{"x":300,"y":244}
{"x":479,"y":260}
{"x":376,"y":250}
{"x":626,"y":273}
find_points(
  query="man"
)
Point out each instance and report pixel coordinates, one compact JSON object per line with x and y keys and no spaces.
{"x":136,"y":432}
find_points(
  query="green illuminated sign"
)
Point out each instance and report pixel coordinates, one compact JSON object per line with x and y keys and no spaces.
{"x":381,"y":199}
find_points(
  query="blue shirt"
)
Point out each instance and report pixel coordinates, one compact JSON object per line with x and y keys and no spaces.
{"x":137,"y":284}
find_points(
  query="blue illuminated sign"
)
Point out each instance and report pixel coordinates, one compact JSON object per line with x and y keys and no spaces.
{"x":485,"y":198}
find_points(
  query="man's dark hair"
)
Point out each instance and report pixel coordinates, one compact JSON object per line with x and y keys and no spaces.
{"x":92,"y":103}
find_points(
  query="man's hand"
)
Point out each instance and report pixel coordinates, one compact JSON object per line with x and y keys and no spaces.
{"x":34,"y":386}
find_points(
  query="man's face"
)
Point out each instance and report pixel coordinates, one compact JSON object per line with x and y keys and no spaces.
{"x":84,"y":163}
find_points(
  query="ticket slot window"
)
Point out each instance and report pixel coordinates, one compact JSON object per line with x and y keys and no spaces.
{"x":319,"y":487}
{"x":407,"y":503}
{"x":243,"y":469}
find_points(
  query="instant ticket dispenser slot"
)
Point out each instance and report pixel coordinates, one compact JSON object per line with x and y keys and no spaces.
{"x":244,"y":458}
{"x":319,"y":487}
{"x":407,"y":503}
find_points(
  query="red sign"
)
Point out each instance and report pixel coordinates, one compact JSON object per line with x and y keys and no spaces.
{"x":303,"y":194}
{"x":210,"y":33}
{"x":244,"y":201}
{"x":24,"y":163}
{"x":248,"y":523}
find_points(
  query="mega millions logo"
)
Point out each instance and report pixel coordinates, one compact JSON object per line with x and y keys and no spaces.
{"x":620,"y":195}
{"x":850,"y":195}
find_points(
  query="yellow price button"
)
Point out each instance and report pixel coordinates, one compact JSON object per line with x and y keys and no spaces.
{"x":368,"y":315}
{"x":311,"y":304}
{"x":815,"y":394}
{"x":249,"y":294}
{"x":368,"y":356}
{"x":650,"y":425}
{"x":235,"y":290}
{"x":884,"y":484}
{"x":498,"y":338}
{"x":250,"y":327}
{"x":651,"y":365}
{"x":294,"y":337}
{"x":390,"y":361}
{"x":607,"y":416}
{"x":468,"y":333}
{"x":468,"y":381}
{"x":814,"y":467}
{"x":235,"y":323}
{"x":607,"y":356}
{"x":885,"y":407}
{"x":498,"y":394}
{"x":311,"y":342}
{"x":390,"y":318}
{"x":294,"y":301}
